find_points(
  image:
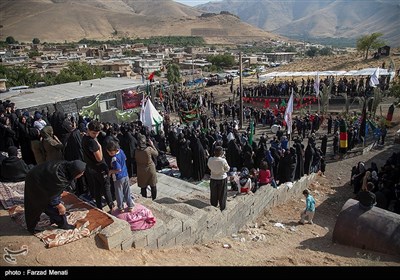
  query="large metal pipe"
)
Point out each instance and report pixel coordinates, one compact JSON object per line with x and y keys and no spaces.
{"x":375,"y":229}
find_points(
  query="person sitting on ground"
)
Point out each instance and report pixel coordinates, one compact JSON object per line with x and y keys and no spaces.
{"x":13,"y":168}
{"x":366,"y":197}
{"x":264,"y":174}
{"x":245,"y":181}
{"x":254,"y":179}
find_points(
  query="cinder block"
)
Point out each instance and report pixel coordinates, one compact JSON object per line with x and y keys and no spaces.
{"x":128,"y":243}
{"x":113,"y":235}
{"x":152,"y":244}
{"x":139,"y":240}
{"x":164,"y":242}
{"x":185,"y":237}
{"x":156,"y":231}
{"x":174,"y":227}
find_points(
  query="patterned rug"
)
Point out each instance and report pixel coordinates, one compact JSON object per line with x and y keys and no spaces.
{"x":11,"y":194}
{"x":87,"y":219}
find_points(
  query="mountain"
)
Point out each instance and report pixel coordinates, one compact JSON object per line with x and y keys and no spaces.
{"x":317,"y":18}
{"x":72,"y":20}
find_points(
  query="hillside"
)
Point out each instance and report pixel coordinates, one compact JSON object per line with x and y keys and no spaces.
{"x":332,"y":18}
{"x":72,"y":20}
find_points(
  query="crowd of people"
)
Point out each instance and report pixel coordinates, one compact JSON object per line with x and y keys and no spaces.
{"x":107,"y":149}
{"x":374,"y":186}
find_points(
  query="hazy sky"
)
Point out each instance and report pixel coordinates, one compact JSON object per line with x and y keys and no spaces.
{"x":195,"y":2}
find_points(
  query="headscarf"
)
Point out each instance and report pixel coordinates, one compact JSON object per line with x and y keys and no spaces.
{"x":142,"y":142}
{"x":374,"y":175}
{"x":12,"y":151}
{"x":75,"y":167}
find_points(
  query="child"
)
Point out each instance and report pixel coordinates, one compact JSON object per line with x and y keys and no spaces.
{"x":254,"y":179}
{"x":245,"y":181}
{"x":310,"y":208}
{"x":119,"y":173}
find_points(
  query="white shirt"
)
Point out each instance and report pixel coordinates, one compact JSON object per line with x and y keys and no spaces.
{"x":218,"y":167}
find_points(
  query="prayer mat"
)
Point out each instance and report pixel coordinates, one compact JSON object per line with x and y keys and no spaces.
{"x":87,"y":219}
{"x":12,"y":194}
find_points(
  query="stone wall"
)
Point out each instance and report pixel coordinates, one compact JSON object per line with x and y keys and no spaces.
{"x":184,"y":224}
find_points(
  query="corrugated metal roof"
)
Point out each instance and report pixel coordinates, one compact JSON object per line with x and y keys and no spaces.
{"x":52,"y":94}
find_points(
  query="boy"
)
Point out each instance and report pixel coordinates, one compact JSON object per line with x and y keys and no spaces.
{"x":310,"y":208}
{"x":119,"y":173}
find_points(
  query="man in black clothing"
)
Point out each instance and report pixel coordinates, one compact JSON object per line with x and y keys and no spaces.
{"x":97,"y":169}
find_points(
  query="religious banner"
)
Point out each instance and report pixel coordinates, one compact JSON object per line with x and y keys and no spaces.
{"x":190,"y":116}
{"x":131,"y":99}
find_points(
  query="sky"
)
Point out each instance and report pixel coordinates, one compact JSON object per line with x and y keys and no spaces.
{"x":195,"y":2}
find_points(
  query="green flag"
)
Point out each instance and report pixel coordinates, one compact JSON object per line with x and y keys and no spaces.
{"x":251,"y":132}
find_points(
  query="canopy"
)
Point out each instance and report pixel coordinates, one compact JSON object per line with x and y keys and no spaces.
{"x":362,"y":72}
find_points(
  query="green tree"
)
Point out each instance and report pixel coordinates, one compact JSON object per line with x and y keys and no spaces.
{"x":222,"y":60}
{"x":78,"y":71}
{"x":35,"y":41}
{"x":290,"y":49}
{"x":173,"y":74}
{"x":11,"y":40}
{"x":368,"y":42}
{"x":19,"y":75}
{"x":34,"y":53}
{"x":325,"y":51}
{"x":312,"y":51}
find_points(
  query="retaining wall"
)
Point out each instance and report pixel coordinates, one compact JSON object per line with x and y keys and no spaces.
{"x":180,"y":222}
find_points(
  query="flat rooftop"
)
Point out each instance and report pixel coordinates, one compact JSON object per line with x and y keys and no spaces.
{"x":28,"y":98}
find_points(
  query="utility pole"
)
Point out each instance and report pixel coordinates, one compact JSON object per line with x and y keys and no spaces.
{"x":192,"y":68}
{"x":241,"y":92}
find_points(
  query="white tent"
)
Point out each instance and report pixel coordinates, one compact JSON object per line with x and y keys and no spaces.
{"x":150,"y":117}
{"x":361,"y":72}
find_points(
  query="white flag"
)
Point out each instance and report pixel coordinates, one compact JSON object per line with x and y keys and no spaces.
{"x":142,"y":114}
{"x":374,"y":80}
{"x":316,"y":85}
{"x":288,"y":114}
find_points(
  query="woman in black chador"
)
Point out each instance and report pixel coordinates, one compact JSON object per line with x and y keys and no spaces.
{"x":300,"y":161}
{"x":44,"y":185}
{"x":199,"y":158}
{"x":185,"y":160}
{"x":308,"y":157}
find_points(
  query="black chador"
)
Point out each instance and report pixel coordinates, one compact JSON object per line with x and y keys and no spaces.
{"x":185,"y":163}
{"x":308,"y":159}
{"x":233,"y":154}
{"x":324,"y":143}
{"x":173,"y":143}
{"x":292,"y":164}
{"x":199,"y":158}
{"x":300,"y":161}
{"x":44,"y":183}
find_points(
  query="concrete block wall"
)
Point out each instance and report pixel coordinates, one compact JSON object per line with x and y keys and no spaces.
{"x":184,"y":224}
